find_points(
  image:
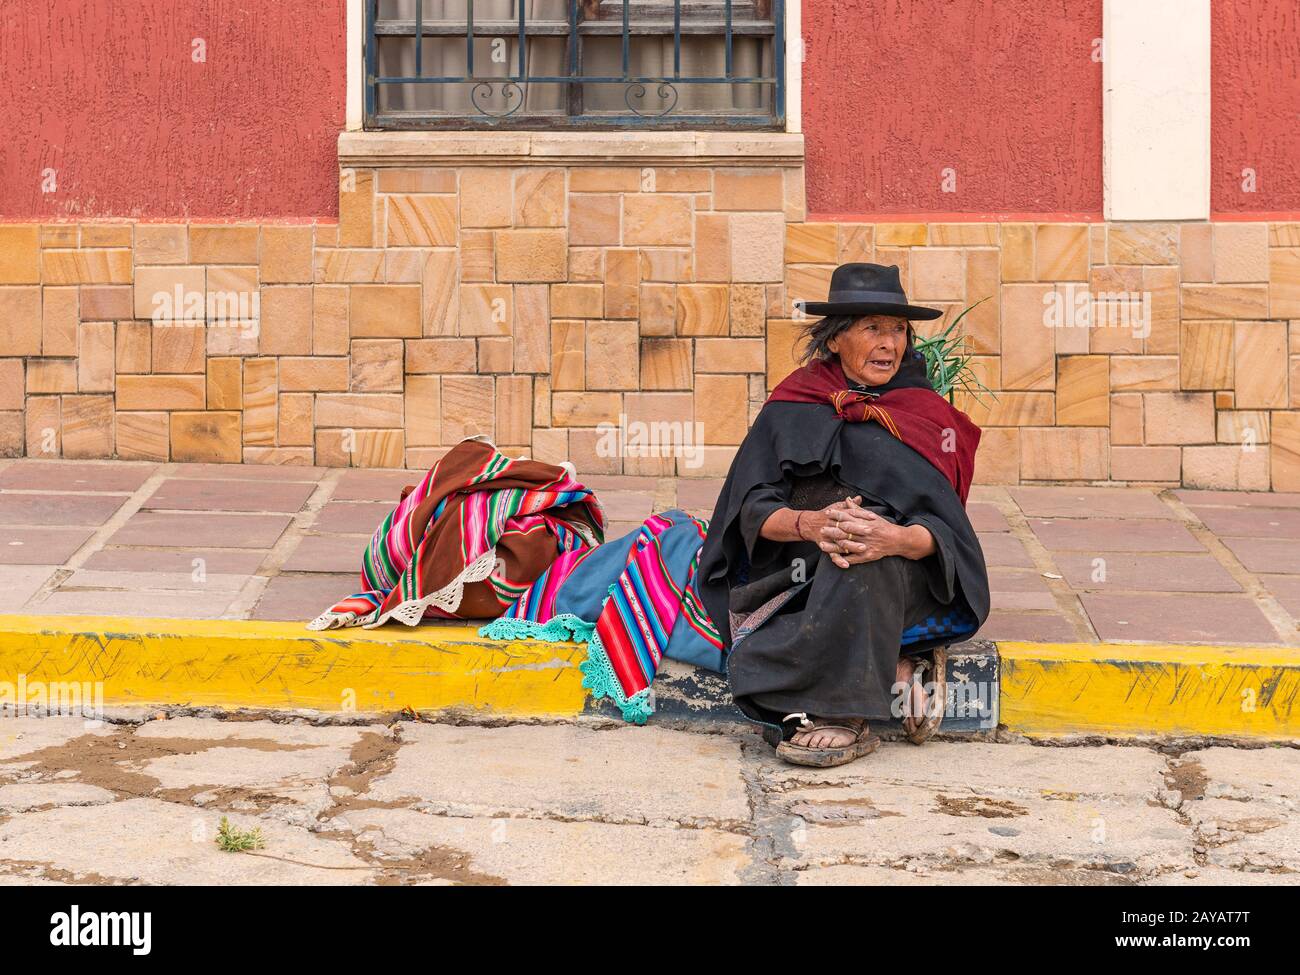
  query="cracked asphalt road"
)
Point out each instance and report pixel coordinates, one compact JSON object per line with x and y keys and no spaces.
{"x":138,"y":801}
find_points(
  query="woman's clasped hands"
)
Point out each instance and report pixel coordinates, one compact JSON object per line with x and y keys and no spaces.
{"x":852,"y":535}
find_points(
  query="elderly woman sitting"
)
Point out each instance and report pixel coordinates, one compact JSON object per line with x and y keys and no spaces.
{"x":839,"y":561}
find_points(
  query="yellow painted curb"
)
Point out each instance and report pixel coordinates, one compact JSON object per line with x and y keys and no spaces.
{"x":1045,"y":690}
{"x":234,"y":664}
{"x":1126,"y":690}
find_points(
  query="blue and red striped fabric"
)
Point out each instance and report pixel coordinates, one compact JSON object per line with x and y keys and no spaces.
{"x":632,"y":600}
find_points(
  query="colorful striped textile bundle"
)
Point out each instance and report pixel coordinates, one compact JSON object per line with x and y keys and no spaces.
{"x":632,"y":601}
{"x":476,"y":532}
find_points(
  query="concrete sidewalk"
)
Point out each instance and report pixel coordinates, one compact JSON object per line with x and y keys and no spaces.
{"x":585,"y":802}
{"x":1105,"y":600}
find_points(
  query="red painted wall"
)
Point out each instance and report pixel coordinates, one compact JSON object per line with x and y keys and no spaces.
{"x":1003,"y":91}
{"x":107,"y":94}
{"x":1255,"y":105}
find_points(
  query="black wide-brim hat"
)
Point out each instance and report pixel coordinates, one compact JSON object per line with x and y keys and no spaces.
{"x":869,"y":289}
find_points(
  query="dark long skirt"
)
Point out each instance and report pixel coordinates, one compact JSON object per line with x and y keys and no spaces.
{"x":809,"y":636}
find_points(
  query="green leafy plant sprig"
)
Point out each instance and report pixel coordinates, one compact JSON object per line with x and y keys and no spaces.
{"x":947,"y":363}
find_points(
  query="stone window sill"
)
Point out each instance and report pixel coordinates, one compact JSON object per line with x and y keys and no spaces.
{"x":369,"y":150}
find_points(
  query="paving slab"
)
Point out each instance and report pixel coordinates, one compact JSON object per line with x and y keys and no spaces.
{"x":58,"y":509}
{"x":121,"y":477}
{"x":1286,"y":590}
{"x":992,"y":493}
{"x":351,"y":517}
{"x":183,"y":494}
{"x":210,"y":560}
{"x":328,"y":553}
{"x":882,"y":824}
{"x":374,"y":485}
{"x":154,"y":842}
{"x":288,"y":734}
{"x":1007,"y":579}
{"x":1276,"y":523}
{"x":304,"y":596}
{"x":1200,"y":618}
{"x":29,"y":796}
{"x":1007,"y":624}
{"x":1113,"y":535}
{"x":192,"y":581}
{"x":1010,"y":770}
{"x":986,"y":517}
{"x":23,"y":735}
{"x":1020,"y":589}
{"x":626,"y":506}
{"x":250,"y":472}
{"x":1021,"y":601}
{"x":201,"y":530}
{"x":1247,"y":499}
{"x":41,"y":546}
{"x":532,"y":851}
{"x":1146,"y":571}
{"x":639,"y":775}
{"x":620,"y":482}
{"x":281,"y":771}
{"x":699,"y":495}
{"x":19,"y":583}
{"x":1085,"y":502}
{"x":1004,"y":550}
{"x":1265,"y":554}
{"x":1268,"y":774}
{"x":192,"y":605}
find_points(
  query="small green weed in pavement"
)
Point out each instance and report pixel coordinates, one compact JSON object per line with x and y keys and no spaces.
{"x":232,"y":840}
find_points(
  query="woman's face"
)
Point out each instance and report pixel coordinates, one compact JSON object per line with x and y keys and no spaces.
{"x":871,"y":349}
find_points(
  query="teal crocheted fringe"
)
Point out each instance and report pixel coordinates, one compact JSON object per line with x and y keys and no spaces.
{"x":599,"y":677}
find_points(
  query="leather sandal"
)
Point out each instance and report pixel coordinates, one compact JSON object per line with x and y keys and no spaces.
{"x":864,"y":743}
{"x":936,"y":702}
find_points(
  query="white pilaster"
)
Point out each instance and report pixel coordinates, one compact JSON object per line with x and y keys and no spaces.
{"x":794,"y":56}
{"x":356,"y":80}
{"x":1156,"y":109}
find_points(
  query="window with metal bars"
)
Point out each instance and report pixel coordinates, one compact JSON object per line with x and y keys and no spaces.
{"x":674,"y":64}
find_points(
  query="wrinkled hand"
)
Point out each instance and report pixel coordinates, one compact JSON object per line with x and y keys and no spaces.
{"x":855,"y":535}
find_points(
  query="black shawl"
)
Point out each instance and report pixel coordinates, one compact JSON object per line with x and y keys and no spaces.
{"x":806,"y":439}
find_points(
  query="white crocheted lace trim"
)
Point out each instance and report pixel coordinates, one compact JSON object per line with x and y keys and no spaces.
{"x":411,"y":612}
{"x":448,"y":598}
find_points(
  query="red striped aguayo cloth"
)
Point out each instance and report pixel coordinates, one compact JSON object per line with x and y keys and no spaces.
{"x":632,"y":601}
{"x":467,"y":540}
